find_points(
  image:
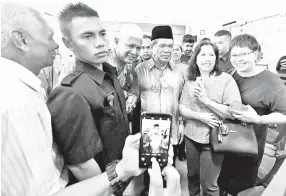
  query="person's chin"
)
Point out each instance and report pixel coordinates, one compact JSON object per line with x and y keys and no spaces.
{"x":241,"y":68}
{"x":166,"y":58}
{"x":47,"y":64}
{"x":101,"y":59}
{"x":207,"y":70}
{"x":146,"y":56}
{"x":98,"y":61}
{"x":128,"y":61}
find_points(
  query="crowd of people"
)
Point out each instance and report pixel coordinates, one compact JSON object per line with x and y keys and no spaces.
{"x":82,"y":136}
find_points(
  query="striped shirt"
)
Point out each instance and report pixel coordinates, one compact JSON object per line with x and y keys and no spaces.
{"x":31,"y":165}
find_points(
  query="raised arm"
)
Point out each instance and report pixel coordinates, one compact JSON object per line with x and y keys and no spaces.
{"x":100,"y":185}
{"x":277,"y":106}
{"x":230,"y":93}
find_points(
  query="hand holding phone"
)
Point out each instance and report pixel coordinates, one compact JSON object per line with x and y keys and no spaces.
{"x":199,"y":81}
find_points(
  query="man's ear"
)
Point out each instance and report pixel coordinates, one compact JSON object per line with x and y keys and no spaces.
{"x":18,"y":37}
{"x":67,"y":43}
{"x":117,"y":43}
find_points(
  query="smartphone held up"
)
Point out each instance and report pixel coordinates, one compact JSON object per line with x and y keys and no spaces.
{"x":237,"y":107}
{"x":155,"y":140}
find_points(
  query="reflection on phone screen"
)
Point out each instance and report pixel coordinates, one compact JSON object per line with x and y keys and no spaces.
{"x":155,"y":136}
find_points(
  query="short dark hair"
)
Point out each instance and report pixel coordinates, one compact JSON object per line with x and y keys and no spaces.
{"x":193,"y":70}
{"x":222,"y":33}
{"x":245,"y":40}
{"x":278,"y":66}
{"x":146,"y":37}
{"x":72,"y":11}
{"x":205,"y":39}
{"x":188,"y":38}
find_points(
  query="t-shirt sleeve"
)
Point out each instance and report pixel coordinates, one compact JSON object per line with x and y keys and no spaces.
{"x":231,"y":92}
{"x":74,"y":128}
{"x":278,"y":102}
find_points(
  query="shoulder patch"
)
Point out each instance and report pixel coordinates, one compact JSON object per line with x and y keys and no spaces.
{"x":70,"y":79}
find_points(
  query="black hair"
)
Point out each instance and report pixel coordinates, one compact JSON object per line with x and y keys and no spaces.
{"x":245,"y":40}
{"x":188,"y":38}
{"x":222,"y":33}
{"x":72,"y":11}
{"x":193,"y":69}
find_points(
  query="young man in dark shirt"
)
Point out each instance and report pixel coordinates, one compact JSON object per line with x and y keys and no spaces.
{"x":187,"y":46}
{"x":222,"y":39}
{"x":88,"y":109}
{"x":146,"y":50}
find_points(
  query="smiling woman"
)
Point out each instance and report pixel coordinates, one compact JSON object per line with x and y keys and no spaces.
{"x":265,"y":95}
{"x":204,"y":100}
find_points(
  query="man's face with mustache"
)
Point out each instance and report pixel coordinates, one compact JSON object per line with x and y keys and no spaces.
{"x":187,"y":48}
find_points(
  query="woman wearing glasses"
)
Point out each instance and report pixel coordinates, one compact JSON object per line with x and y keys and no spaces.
{"x":264,"y":94}
{"x":204,"y":100}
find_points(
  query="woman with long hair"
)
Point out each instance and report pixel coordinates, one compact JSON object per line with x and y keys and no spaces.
{"x":204,"y":101}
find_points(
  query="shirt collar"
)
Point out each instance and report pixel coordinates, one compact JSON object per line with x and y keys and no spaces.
{"x":96,"y":74}
{"x":225,"y":57}
{"x":151,"y":65}
{"x":21,"y":73}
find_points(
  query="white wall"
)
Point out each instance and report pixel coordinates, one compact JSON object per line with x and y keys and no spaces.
{"x":196,"y":15}
{"x":270,"y":33}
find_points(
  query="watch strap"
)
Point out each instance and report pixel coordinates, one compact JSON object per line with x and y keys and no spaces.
{"x":117,"y":185}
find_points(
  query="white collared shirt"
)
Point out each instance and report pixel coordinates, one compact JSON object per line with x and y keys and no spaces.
{"x":31,"y":164}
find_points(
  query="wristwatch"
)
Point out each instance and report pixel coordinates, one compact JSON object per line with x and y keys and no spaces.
{"x":117,"y":185}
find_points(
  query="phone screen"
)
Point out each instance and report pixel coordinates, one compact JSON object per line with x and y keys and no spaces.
{"x":155,"y":140}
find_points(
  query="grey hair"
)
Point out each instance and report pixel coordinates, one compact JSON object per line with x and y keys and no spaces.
{"x":15,"y":16}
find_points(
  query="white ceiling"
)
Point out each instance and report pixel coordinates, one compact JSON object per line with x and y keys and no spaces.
{"x":200,"y":14}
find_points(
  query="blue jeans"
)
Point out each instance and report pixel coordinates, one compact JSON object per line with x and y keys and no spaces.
{"x":204,"y":167}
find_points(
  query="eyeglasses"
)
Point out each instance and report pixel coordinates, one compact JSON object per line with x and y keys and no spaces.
{"x":241,"y":54}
